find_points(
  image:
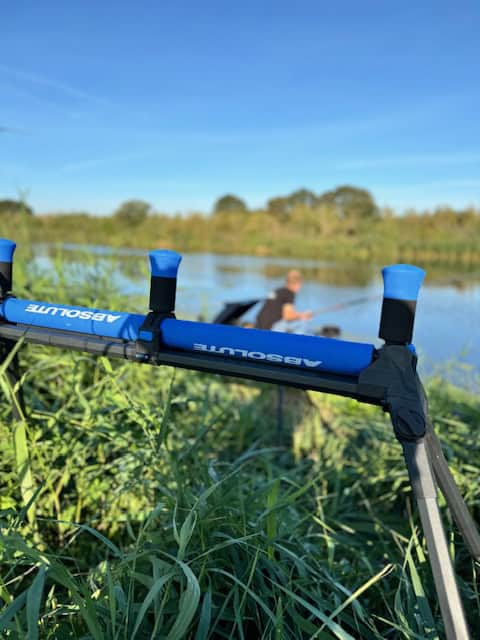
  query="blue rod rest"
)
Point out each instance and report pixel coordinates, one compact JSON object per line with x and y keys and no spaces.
{"x":402,"y":284}
{"x":7,"y":249}
{"x":163,"y":281}
{"x":164,"y":263}
{"x":402,"y":281}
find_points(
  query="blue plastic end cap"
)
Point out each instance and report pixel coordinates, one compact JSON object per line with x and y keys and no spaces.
{"x":164,"y":263}
{"x":7,"y":248}
{"x":402,"y":281}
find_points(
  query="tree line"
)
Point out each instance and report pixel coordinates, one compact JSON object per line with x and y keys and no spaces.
{"x":345,"y":202}
{"x":344,"y":224}
{"x":348,"y":202}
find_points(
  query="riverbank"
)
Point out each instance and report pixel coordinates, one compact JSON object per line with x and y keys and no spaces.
{"x":440,"y":238}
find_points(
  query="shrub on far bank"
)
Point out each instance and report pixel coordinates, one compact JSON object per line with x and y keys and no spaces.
{"x":133,"y":211}
{"x":13,"y":207}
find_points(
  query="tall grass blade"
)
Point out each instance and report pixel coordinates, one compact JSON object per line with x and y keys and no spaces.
{"x":34,"y":600}
{"x":205,"y":617}
{"x":149,"y":599}
{"x":188,"y":605}
{"x":11,"y":611}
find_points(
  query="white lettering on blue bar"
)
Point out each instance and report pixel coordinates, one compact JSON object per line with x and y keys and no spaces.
{"x":78,"y":314}
{"x":256,"y":355}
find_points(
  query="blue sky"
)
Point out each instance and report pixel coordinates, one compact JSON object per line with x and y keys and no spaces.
{"x":179,"y":102}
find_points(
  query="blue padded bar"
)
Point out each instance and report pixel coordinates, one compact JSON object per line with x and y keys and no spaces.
{"x":7,"y":248}
{"x":402,"y":281}
{"x":95,"y":322}
{"x":310,"y":352}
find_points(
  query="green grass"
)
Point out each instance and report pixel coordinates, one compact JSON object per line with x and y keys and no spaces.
{"x":154,"y":504}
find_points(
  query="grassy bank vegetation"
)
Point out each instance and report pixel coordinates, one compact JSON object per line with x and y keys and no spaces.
{"x":145,"y":503}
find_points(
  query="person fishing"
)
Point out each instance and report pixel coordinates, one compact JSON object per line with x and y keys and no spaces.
{"x":278,"y":312}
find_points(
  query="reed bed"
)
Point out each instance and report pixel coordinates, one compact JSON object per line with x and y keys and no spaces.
{"x":446,"y":238}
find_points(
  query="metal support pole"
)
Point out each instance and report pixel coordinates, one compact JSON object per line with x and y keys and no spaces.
{"x":424,"y":488}
{"x":452,"y":495}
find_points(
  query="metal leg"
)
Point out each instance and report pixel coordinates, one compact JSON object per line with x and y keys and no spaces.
{"x":454,"y":499}
{"x":406,"y":401}
{"x":424,"y":488}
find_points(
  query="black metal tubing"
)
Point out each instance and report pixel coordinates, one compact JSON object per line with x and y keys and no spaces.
{"x":255,"y":370}
{"x":5,"y":278}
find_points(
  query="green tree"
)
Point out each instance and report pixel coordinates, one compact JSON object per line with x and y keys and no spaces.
{"x":284,"y":205}
{"x":15,"y":206}
{"x":351,"y":203}
{"x":229,"y":202}
{"x":278,"y":206}
{"x":302,"y":197}
{"x":133,"y":211}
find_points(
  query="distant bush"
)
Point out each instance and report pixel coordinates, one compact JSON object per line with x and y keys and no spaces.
{"x":14,"y":207}
{"x":351,"y":203}
{"x":283,"y":206}
{"x":348,"y":202}
{"x":133,"y":211}
{"x":228,"y":203}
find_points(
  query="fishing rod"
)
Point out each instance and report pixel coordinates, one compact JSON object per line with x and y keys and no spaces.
{"x":385,"y":377}
{"x":344,"y":305}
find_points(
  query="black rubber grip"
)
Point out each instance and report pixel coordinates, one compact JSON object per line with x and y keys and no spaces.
{"x":163,"y":292}
{"x":5,"y":278}
{"x":397,"y":320}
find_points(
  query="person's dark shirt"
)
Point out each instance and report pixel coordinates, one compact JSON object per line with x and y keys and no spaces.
{"x":271,"y":312}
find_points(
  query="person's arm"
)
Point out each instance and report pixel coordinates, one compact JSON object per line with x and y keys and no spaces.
{"x":289,"y":313}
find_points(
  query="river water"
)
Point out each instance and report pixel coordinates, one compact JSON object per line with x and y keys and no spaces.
{"x":447,"y":329}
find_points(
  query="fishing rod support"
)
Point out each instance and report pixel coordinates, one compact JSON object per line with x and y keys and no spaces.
{"x":402,"y":284}
{"x":395,"y":370}
{"x":163,"y":280}
{"x":164,"y":266}
{"x":7,"y":249}
{"x":405,"y":400}
{"x":395,"y":367}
